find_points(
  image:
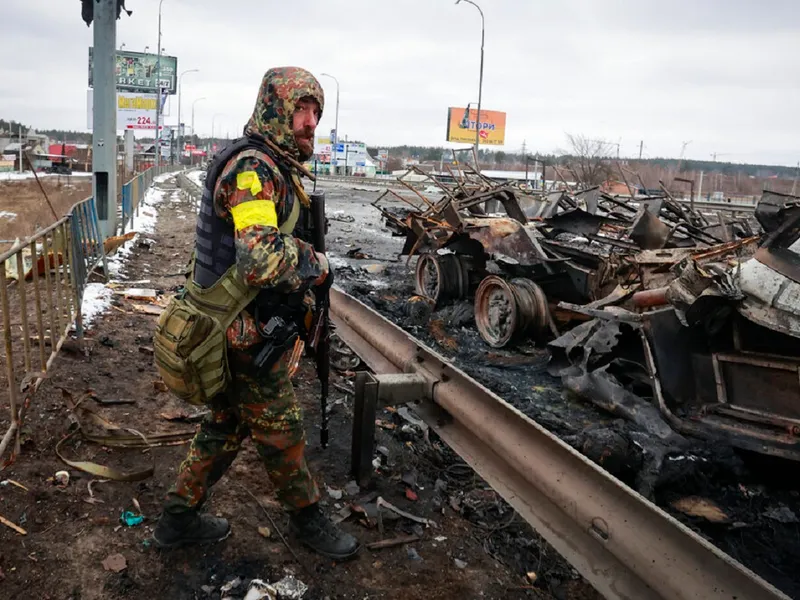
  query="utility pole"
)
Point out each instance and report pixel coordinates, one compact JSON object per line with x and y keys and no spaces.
{"x":104,"y":118}
{"x":794,"y":183}
{"x":158,"y":90}
{"x":334,"y":141}
{"x":180,"y":125}
{"x":194,"y":135}
{"x":480,"y":87}
{"x":19,"y":130}
{"x":641,"y":148}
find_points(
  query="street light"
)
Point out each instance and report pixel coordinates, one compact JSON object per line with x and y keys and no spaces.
{"x":158,"y":90}
{"x":480,"y":84}
{"x":179,"y":110}
{"x":336,"y":125}
{"x":213,"y":120}
{"x":193,"y":132}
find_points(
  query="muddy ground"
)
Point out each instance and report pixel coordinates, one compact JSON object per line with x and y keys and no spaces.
{"x":478,"y":548}
{"x":758,"y":498}
{"x":24,"y":209}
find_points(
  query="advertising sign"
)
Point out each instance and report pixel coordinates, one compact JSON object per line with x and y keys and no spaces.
{"x":136,"y":71}
{"x":383,"y":155}
{"x":492,"y":128}
{"x":134,"y":111}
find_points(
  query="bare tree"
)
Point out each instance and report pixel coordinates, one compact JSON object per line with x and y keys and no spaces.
{"x":589,"y":160}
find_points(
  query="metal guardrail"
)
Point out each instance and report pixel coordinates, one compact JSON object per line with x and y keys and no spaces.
{"x":189,"y":189}
{"x":42,"y":280}
{"x":624,"y":545}
{"x":133,"y":193}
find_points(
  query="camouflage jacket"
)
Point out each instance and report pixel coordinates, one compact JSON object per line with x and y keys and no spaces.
{"x":251,"y":192}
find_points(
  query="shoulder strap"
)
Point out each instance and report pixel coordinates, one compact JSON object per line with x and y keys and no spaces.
{"x":224,"y":300}
{"x":291,"y":221}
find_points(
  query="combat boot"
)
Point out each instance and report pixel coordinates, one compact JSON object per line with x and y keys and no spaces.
{"x":191,"y":527}
{"x":315,"y":530}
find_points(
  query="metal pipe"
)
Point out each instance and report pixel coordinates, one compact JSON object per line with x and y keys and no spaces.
{"x":625,"y":546}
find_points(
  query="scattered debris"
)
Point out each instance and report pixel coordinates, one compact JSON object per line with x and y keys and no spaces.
{"x":413,"y":554}
{"x":13,"y":526}
{"x":141,"y":294}
{"x":184,"y":415}
{"x":411,"y":495}
{"x":61,"y":478}
{"x":264,"y":532}
{"x":781,"y":514}
{"x":260,"y":590}
{"x":334,"y":493}
{"x":357,"y":254}
{"x":381,"y":503}
{"x":695,"y":506}
{"x":14,"y":483}
{"x":290,"y":588}
{"x":160,"y":386}
{"x":460,"y":564}
{"x":231,"y":585}
{"x":352,"y":488}
{"x":116,"y":563}
{"x":131,"y":519}
{"x":391,"y":543}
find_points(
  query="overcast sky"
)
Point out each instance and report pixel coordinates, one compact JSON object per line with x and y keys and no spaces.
{"x":723,"y":74}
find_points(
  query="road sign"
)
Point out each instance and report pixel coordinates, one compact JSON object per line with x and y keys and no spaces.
{"x":136,"y":71}
{"x":134,"y":111}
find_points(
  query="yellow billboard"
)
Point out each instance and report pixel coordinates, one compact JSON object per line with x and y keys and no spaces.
{"x":461,"y":126}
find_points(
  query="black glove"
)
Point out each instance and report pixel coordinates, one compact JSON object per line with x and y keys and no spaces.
{"x":327,"y":283}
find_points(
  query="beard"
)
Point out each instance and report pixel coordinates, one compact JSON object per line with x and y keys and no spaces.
{"x":305,"y":145}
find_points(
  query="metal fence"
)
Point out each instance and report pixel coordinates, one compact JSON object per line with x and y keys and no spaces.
{"x":133,"y":194}
{"x":42,"y":281}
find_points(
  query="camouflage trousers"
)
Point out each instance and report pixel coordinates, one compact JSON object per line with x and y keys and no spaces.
{"x":263,"y":407}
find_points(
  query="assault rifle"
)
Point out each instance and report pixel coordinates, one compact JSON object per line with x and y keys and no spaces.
{"x":321,"y":331}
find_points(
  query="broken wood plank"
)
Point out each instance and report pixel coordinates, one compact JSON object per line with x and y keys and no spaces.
{"x":13,"y":526}
{"x":391,"y":543}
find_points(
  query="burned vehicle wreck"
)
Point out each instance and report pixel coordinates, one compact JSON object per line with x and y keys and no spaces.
{"x":682,"y":321}
{"x":519,"y":253}
{"x":714,"y":353}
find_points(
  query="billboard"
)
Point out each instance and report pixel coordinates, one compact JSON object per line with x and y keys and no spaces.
{"x":492,"y":128}
{"x":136,"y":71}
{"x":134,"y":111}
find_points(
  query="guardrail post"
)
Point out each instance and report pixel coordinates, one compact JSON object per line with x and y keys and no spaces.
{"x":373,"y":392}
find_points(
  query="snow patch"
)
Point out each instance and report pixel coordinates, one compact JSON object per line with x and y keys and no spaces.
{"x":96,"y":299}
{"x":195,"y":177}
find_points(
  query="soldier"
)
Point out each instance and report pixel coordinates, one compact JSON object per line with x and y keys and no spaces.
{"x":248,"y":215}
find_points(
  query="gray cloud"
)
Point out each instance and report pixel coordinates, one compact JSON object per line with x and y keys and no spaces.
{"x":721,"y":73}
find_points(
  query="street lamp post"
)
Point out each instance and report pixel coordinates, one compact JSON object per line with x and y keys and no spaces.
{"x":480,"y":85}
{"x":213,"y":123}
{"x":193,"y":132}
{"x":179,"y":110}
{"x":158,"y":90}
{"x":336,"y":125}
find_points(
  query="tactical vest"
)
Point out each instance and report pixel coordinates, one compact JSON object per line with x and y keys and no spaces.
{"x":215,"y":250}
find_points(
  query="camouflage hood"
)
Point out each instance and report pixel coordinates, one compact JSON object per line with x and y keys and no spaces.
{"x":278,"y":95}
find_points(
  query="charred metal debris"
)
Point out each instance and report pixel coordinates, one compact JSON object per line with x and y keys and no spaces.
{"x":683,"y":321}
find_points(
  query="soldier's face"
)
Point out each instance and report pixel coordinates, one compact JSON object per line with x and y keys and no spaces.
{"x":304,"y":123}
